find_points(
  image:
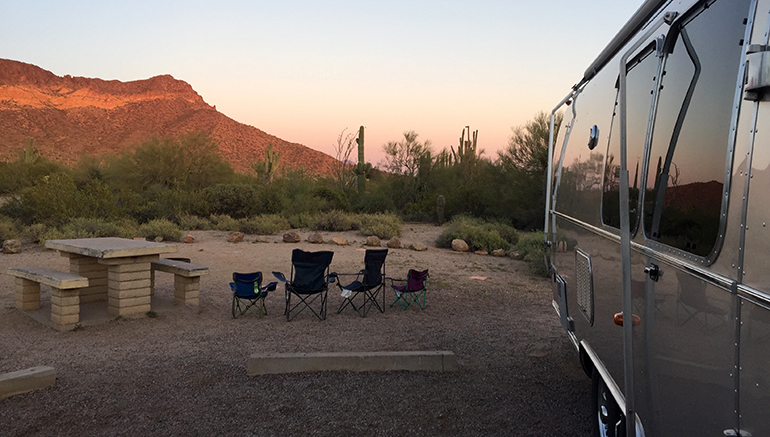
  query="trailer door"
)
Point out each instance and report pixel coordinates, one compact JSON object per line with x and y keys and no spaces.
{"x":685,"y":352}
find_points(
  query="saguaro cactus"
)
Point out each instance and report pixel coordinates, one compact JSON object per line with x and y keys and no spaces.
{"x":361,"y":170}
{"x":269,"y":166}
{"x":440,"y":209}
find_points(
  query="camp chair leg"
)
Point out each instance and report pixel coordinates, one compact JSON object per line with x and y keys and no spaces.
{"x":306,"y":303}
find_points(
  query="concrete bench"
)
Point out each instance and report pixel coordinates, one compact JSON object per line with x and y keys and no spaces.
{"x":65,"y":293}
{"x":187,"y":279}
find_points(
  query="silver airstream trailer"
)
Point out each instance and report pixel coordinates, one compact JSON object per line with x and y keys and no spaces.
{"x":658,"y":221}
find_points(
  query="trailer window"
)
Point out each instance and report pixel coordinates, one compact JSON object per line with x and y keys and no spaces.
{"x":640,"y":81}
{"x":684,"y":188}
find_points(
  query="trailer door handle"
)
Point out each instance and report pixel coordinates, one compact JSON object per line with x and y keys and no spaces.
{"x":654,"y":271}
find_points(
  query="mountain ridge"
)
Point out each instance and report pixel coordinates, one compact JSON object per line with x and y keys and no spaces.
{"x":70,"y":116}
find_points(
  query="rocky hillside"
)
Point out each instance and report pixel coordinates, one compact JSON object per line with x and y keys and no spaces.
{"x":71,"y":116}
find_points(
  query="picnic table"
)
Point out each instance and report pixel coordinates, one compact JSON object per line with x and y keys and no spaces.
{"x":118,"y":270}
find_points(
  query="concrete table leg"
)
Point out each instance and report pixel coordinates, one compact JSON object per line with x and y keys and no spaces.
{"x":129,"y":285}
{"x":96,"y":273}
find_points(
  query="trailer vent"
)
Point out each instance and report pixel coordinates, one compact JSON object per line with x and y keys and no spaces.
{"x":584,"y":276}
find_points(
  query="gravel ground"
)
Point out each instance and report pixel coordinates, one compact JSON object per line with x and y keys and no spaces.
{"x":184,"y":371}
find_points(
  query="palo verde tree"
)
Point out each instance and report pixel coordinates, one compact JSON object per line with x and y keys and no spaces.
{"x":522,"y":166}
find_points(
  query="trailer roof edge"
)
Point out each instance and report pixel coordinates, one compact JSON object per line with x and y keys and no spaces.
{"x":636,"y":22}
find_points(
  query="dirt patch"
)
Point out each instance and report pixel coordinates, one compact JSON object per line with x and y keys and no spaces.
{"x":184,"y":371}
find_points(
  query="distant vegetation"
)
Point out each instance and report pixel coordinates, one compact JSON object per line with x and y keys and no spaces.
{"x":166,"y":185}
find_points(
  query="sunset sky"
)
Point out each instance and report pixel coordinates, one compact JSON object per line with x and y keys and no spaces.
{"x":306,"y":70}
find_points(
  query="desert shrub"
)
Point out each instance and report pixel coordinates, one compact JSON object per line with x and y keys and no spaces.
{"x":163,"y":228}
{"x":9,"y":228}
{"x":39,"y":233}
{"x":382,"y":225}
{"x":224,"y":222}
{"x":193,"y":222}
{"x":189,"y":162}
{"x":95,"y":227}
{"x":479,"y":234}
{"x":335,"y":198}
{"x":26,"y":172}
{"x":302,"y":220}
{"x":235,"y":200}
{"x":334,"y":221}
{"x":263,"y":224}
{"x":531,"y":246}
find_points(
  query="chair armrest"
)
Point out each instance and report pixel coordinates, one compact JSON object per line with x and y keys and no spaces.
{"x":232,"y":286}
{"x":392,"y":280}
{"x":280,"y":276}
{"x":269,"y":287}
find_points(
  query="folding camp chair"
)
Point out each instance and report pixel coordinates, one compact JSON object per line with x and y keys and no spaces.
{"x":248,"y":294}
{"x":309,"y":281}
{"x":368,"y":282}
{"x":414,"y":289}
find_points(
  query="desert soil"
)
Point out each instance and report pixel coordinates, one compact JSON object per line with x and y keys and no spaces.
{"x":183,"y":372}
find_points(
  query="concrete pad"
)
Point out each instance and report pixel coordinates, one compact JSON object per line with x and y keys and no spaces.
{"x":26,"y":380}
{"x":271,"y":363}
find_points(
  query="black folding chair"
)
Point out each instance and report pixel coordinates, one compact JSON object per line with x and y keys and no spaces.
{"x":309,"y":282}
{"x":368,"y":282}
{"x":249,"y":294}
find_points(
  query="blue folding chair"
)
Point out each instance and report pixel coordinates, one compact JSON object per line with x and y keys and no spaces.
{"x":249,"y":294}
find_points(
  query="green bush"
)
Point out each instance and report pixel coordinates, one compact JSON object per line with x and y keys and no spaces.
{"x":531,"y":246}
{"x":235,"y":200}
{"x":302,"y":220}
{"x":163,"y":228}
{"x":384,"y":226}
{"x":334,"y":221}
{"x":263,"y":224}
{"x":39,"y":233}
{"x":9,"y":228}
{"x":193,"y":222}
{"x":224,"y":223}
{"x":479,"y":234}
{"x":94,"y":227}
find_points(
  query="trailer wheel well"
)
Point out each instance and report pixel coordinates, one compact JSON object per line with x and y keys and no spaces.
{"x":585,"y":362}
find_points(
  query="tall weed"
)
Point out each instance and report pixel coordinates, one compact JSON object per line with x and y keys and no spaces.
{"x":381,"y":225}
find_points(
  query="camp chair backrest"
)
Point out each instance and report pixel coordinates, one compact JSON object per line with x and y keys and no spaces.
{"x":416,"y":280}
{"x":308,"y":269}
{"x":247,"y":283}
{"x":373,"y":261}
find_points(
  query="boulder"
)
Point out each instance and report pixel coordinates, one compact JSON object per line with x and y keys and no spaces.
{"x":158,"y":239}
{"x":189,"y":239}
{"x":11,"y":246}
{"x":373,"y":241}
{"x":291,"y":237}
{"x":235,"y":237}
{"x":420,"y":247}
{"x":459,"y":245}
{"x":481,"y":252}
{"x":339,"y":241}
{"x":315,"y":238}
{"x":261,"y":239}
{"x":516,"y":255}
{"x":498,"y":252}
{"x":394,"y":243}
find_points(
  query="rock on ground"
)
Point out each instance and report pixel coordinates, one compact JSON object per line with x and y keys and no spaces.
{"x":373,"y":241}
{"x":459,"y":245}
{"x":291,"y":237}
{"x":11,"y":246}
{"x":235,"y":237}
{"x":315,"y":238}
